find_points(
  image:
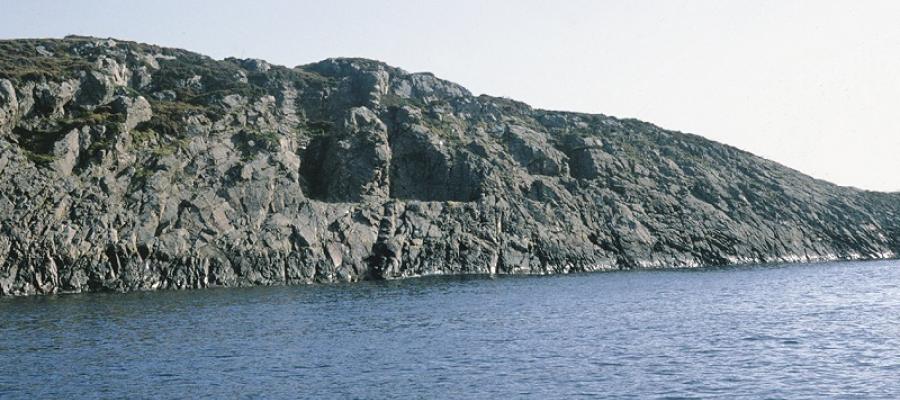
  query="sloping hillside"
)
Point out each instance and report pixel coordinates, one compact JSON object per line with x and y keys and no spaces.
{"x":126,"y":166}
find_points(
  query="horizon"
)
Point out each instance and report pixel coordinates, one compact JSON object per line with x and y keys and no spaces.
{"x":832,"y":122}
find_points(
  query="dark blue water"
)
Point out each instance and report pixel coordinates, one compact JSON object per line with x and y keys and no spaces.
{"x":801,"y":331}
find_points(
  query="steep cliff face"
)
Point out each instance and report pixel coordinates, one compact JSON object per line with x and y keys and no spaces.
{"x":126,"y":166}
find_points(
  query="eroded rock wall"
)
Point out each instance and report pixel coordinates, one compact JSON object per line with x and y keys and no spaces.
{"x":126,"y":166}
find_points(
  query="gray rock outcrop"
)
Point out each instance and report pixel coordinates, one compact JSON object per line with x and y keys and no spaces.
{"x":126,"y":166}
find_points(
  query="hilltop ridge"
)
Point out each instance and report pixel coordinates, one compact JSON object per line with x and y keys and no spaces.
{"x":127,"y":166}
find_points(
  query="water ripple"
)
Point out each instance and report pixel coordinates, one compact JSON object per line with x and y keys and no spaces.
{"x":812,"y":331}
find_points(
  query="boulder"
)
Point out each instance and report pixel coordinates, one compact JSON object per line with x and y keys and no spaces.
{"x":135,"y":110}
{"x":9,"y":106}
{"x":65,"y":152}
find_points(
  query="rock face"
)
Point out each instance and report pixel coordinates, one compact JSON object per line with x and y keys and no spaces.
{"x":126,"y":166}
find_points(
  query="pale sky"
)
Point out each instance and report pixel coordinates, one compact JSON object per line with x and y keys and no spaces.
{"x":814,"y":85}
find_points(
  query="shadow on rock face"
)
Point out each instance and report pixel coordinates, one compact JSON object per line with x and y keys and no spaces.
{"x":351,"y":169}
{"x":428,"y":169}
{"x":365,"y":161}
{"x":351,"y":164}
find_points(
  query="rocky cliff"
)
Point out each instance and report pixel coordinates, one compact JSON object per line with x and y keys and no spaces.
{"x":126,"y":166}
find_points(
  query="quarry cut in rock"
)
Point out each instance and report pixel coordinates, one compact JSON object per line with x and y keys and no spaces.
{"x":126,"y":166}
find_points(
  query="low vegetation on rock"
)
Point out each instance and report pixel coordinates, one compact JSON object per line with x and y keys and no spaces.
{"x":126,"y":166}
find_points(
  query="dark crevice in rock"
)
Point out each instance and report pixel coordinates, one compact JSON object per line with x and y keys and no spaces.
{"x":316,"y":186}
